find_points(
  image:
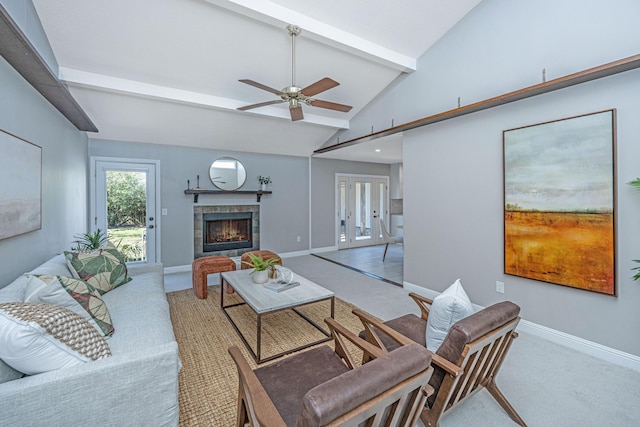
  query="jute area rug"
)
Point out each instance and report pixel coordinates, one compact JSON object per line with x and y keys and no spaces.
{"x":208,"y":381}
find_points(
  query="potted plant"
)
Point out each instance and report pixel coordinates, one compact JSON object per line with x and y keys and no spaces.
{"x":264,"y":180}
{"x":260,"y":273}
{"x":90,"y":241}
{"x":636,"y":183}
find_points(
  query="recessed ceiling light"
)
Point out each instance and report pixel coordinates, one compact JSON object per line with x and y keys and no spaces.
{"x":377,"y":150}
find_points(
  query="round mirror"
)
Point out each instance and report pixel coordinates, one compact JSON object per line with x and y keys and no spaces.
{"x":227,"y":173}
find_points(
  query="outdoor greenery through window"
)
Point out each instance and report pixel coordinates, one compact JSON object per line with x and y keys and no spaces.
{"x":127,"y":212}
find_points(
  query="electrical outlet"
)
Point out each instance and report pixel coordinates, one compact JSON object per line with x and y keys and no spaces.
{"x":500,"y":287}
{"x":298,"y":239}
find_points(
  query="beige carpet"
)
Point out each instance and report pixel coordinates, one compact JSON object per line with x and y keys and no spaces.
{"x":208,"y":380}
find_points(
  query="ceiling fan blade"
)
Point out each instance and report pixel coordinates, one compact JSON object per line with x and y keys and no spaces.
{"x":261,"y":86}
{"x":330,"y":105}
{"x":319,"y":86}
{"x":296,"y":113}
{"x":261,"y":104}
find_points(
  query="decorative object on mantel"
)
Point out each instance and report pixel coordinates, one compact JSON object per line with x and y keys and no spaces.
{"x":227,"y":173}
{"x":559,"y":202}
{"x":264,"y":180}
{"x":636,"y":183}
{"x":260,"y":273}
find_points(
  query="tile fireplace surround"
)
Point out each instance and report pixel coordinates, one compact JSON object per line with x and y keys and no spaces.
{"x":198,"y":224}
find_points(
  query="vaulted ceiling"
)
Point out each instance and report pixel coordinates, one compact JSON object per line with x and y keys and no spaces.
{"x":167,"y":71}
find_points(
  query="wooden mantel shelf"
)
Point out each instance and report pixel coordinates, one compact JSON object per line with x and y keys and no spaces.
{"x":197,"y":191}
{"x":584,"y":76}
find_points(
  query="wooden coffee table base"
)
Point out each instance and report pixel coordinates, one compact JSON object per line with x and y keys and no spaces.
{"x":257,"y":354}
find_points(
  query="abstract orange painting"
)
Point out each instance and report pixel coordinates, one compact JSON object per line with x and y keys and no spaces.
{"x":559,"y":202}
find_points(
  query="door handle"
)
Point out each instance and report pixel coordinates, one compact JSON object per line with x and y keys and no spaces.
{"x":151,"y":226}
{"x":150,"y":218}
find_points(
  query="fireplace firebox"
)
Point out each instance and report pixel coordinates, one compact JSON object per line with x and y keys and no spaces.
{"x":226,"y":231}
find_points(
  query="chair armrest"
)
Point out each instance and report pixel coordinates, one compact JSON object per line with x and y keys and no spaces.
{"x":450,"y":368}
{"x":424,"y":304}
{"x":340,"y":333}
{"x":370,"y":322}
{"x":262,"y":408}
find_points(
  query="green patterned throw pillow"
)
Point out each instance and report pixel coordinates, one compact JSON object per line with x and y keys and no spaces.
{"x":73,"y":294}
{"x":104,"y":269}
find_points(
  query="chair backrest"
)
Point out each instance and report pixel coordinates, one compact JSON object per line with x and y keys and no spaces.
{"x":389,"y":390}
{"x":385,"y":234}
{"x":477,"y":344}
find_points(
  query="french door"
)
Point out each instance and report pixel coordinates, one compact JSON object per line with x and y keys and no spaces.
{"x":361,"y":201}
{"x":124,"y":206}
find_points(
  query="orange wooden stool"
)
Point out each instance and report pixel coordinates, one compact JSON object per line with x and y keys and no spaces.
{"x":202,"y":267}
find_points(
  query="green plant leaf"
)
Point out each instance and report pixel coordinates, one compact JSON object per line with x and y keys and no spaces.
{"x":637,"y":276}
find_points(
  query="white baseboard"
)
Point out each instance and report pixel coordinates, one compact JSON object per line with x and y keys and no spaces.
{"x":177,"y":269}
{"x":591,"y":348}
{"x":325,"y":249}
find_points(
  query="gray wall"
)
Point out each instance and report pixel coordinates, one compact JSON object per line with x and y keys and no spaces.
{"x":453,"y":212}
{"x":284,"y":215}
{"x":25,"y":113}
{"x":323,"y":179}
{"x":24,"y":14}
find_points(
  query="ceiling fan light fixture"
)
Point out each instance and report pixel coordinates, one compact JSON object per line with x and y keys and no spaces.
{"x":295,"y":95}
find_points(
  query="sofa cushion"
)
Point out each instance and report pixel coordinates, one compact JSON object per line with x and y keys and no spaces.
{"x":104,"y":269}
{"x":74,"y":294}
{"x":287,"y":390}
{"x":37,"y":338}
{"x":57,"y":265}
{"x":450,"y":306}
{"x":7,"y":373}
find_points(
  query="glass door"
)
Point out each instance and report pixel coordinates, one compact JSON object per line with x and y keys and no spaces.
{"x":125,"y":207}
{"x":361,"y":201}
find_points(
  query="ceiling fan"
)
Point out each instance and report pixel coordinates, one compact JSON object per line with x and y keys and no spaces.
{"x":295,"y":95}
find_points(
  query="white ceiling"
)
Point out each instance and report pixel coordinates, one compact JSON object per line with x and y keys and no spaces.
{"x":167,"y":71}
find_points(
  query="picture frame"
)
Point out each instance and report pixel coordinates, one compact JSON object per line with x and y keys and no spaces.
{"x":21,"y":189}
{"x":560,"y":202}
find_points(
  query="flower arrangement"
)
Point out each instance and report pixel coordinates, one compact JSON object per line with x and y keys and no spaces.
{"x":264,"y":180}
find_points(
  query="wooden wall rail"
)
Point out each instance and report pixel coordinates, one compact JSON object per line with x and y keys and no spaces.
{"x":584,"y":76}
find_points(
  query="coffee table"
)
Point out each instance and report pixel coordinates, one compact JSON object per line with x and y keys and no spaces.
{"x":265,"y":301}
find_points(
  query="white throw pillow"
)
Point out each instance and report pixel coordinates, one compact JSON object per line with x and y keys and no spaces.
{"x":450,"y":306}
{"x":36,"y":338}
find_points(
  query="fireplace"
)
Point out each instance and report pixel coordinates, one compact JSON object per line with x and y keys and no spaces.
{"x":225,"y":231}
{"x":228,"y":230}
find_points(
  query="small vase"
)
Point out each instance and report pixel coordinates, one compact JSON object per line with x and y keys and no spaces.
{"x":260,"y":277}
{"x":263,"y":187}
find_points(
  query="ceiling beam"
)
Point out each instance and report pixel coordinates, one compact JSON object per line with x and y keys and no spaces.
{"x":146,"y":90}
{"x":279,"y":16}
{"x":18,"y":51}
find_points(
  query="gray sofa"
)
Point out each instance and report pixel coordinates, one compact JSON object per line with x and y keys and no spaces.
{"x":136,"y":386}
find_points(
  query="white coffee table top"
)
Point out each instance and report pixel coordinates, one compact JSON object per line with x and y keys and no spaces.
{"x":264,"y":300}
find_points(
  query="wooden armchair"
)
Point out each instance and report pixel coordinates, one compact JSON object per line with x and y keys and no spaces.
{"x":323,"y":387}
{"x":468,"y":359}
